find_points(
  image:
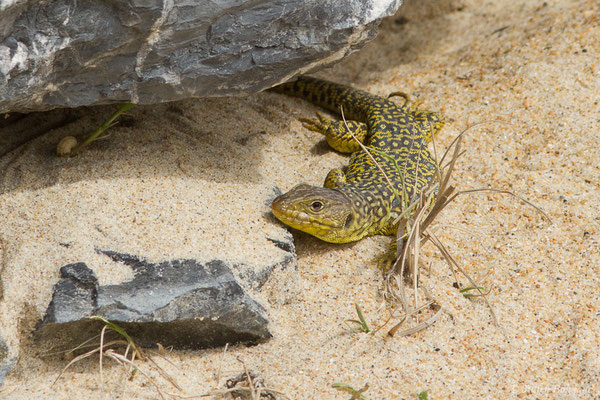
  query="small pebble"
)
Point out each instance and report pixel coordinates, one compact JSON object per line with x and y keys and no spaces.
{"x":65,"y":146}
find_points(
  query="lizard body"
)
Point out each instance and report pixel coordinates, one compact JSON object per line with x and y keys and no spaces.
{"x":358,"y":201}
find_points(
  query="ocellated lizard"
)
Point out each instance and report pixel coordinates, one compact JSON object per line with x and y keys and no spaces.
{"x":358,"y":201}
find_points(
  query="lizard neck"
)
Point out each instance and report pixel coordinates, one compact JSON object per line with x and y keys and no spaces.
{"x":372,"y":211}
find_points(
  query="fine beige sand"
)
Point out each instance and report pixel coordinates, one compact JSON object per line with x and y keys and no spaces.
{"x":530,"y":70}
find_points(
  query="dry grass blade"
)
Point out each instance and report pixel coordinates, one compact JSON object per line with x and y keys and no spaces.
{"x":116,"y":328}
{"x":161,"y":356}
{"x":253,"y":394}
{"x":504,"y":192}
{"x":447,"y":172}
{"x":415,"y":219}
{"x":418,"y":227}
{"x":434,"y":197}
{"x":73,"y":361}
{"x":87,"y":344}
{"x":101,"y":353}
{"x":217,"y":376}
{"x":426,"y":193}
{"x":393,"y":280}
{"x":99,"y":349}
{"x":122,"y":360}
{"x":419,"y":327}
{"x":410,"y":255}
{"x":414,"y":265}
{"x":384,"y":324}
{"x":163,"y":373}
{"x":441,"y":202}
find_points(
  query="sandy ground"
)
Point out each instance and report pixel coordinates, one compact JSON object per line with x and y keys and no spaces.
{"x":531,"y":71}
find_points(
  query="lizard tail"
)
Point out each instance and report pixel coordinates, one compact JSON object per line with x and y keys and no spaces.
{"x":331,"y":96}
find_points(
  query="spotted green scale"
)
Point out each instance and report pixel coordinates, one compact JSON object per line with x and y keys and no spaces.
{"x":359,"y":201}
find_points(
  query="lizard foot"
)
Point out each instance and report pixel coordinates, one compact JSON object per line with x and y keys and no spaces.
{"x":321,"y":125}
{"x":411,"y":105}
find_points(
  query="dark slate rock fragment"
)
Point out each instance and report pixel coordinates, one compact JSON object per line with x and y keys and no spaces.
{"x":69,"y":53}
{"x":78,"y":288}
{"x":284,"y":245}
{"x":6,"y":361}
{"x":179,"y":303}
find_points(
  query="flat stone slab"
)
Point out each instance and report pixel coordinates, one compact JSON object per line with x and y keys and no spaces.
{"x":179,"y":303}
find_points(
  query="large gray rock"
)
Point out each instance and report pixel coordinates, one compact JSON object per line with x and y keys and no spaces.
{"x":180,"y":303}
{"x":69,"y":53}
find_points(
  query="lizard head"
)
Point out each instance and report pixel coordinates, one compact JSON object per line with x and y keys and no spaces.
{"x":325,"y":213}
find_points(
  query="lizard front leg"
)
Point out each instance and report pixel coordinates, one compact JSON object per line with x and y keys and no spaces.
{"x":335,"y":179}
{"x":337,"y":134}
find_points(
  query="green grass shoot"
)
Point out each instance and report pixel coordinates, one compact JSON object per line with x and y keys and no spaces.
{"x":356,"y":394}
{"x":360,"y":322}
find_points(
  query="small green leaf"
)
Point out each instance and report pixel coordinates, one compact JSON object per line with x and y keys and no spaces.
{"x":469,"y":295}
{"x":106,"y":125}
{"x":361,"y":322}
{"x":347,"y":388}
{"x":119,"y":330}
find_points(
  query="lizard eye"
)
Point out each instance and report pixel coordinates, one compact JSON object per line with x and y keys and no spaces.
{"x":316,"y":206}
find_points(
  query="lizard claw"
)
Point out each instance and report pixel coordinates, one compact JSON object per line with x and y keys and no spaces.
{"x":322,"y":118}
{"x":386,"y":262}
{"x":320,"y":126}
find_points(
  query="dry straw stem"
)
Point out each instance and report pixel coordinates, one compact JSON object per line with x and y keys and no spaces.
{"x":217,"y":375}
{"x":125,"y":360}
{"x":409,"y":251}
{"x":452,"y":262}
{"x":419,"y":327}
{"x":254,"y":395}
